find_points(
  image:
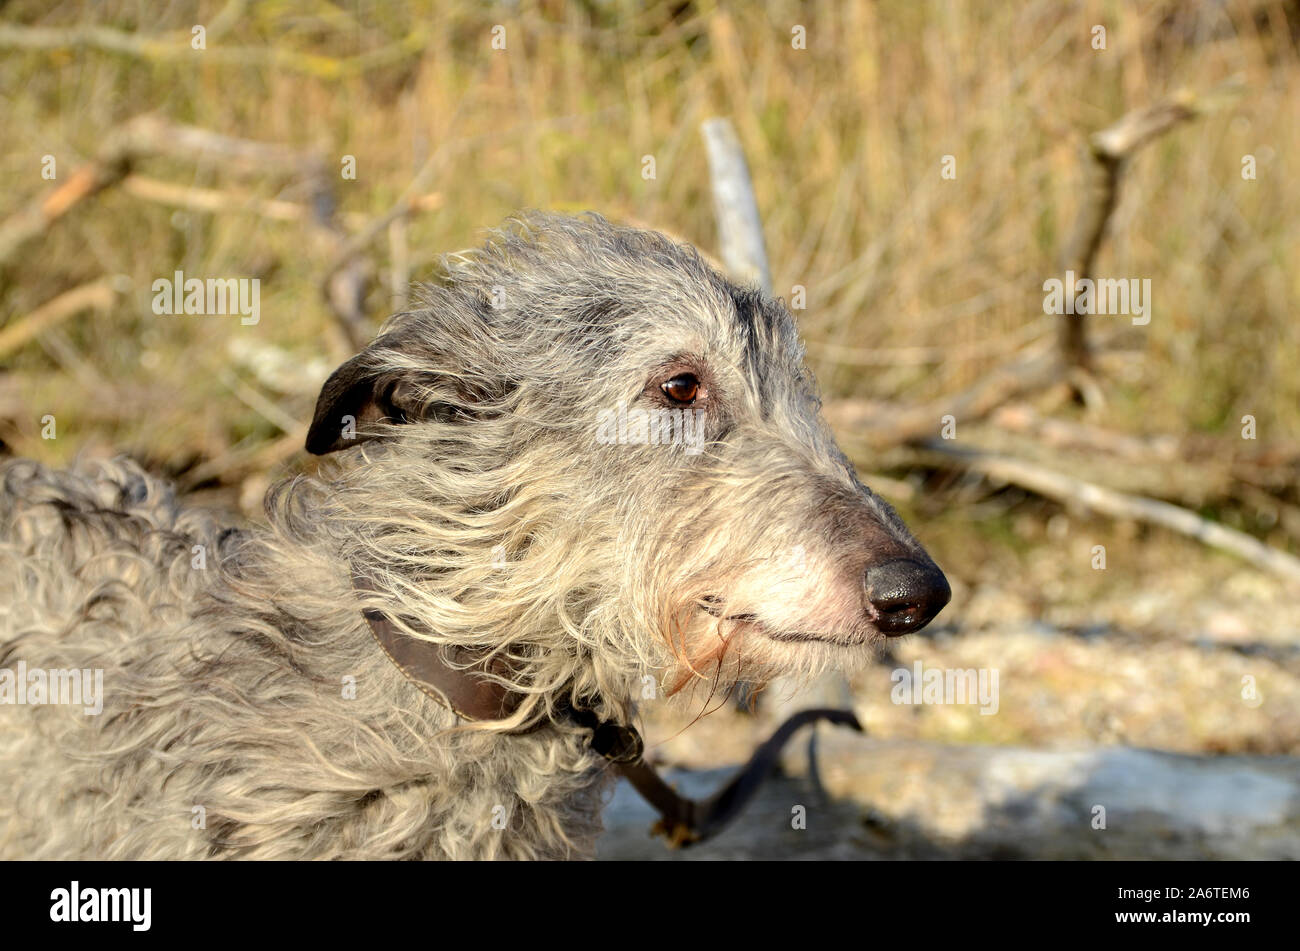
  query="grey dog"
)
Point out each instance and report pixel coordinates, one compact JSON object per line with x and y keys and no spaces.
{"x":587,"y":466}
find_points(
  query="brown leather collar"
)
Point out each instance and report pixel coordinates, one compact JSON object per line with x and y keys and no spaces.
{"x":473,"y":689}
{"x":447,"y":674}
{"x":465,"y":690}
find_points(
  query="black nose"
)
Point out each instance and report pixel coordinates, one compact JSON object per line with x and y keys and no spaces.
{"x":905,"y":595}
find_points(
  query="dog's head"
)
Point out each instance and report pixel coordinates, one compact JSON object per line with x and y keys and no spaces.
{"x":600,"y":436}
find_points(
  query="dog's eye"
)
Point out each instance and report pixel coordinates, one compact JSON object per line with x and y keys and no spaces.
{"x":682,"y":388}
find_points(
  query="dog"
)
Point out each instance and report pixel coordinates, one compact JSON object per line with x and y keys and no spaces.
{"x":586,"y":472}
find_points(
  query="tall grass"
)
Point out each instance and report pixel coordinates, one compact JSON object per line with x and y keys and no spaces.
{"x":915,"y":284}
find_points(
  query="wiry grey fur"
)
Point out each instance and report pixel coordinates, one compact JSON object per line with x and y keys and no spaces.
{"x":489,"y":515}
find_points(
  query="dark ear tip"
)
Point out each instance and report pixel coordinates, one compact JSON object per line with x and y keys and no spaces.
{"x":348,"y":387}
{"x":318,"y":444}
{"x":321,"y":438}
{"x":325,"y":435}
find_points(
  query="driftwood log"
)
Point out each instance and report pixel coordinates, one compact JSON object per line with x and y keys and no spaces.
{"x":902,"y":800}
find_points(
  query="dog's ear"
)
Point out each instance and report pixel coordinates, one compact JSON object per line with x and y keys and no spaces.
{"x":435,"y":363}
{"x":365,"y":390}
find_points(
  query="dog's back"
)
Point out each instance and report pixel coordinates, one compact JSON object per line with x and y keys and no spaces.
{"x":95,"y":571}
{"x":165,"y":693}
{"x":101,"y":548}
{"x":95,"y":561}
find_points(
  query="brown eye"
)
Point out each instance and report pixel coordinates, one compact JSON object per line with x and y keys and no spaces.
{"x":682,"y":388}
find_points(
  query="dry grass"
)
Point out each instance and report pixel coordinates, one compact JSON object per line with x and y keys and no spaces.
{"x":914,"y":284}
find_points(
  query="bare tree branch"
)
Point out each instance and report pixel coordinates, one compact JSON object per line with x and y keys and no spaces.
{"x":97,"y":295}
{"x":137,"y":138}
{"x":1070,"y":490}
{"x":176,"y":46}
{"x":882,"y":425}
{"x":740,"y":229}
{"x":1110,"y":149}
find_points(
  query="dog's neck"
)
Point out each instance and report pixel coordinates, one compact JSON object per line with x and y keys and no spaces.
{"x":476,"y":689}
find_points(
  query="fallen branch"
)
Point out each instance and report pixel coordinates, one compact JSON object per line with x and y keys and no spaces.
{"x":139,"y":137}
{"x":41,"y":214}
{"x":1070,"y":490}
{"x":176,"y":46}
{"x":1002,"y":346}
{"x":1064,"y":434}
{"x":1205,"y":464}
{"x":212,"y":200}
{"x":346,"y":285}
{"x":96,"y":295}
{"x":883,"y":425}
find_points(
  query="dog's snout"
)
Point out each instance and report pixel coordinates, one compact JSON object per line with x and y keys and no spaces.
{"x":905,"y":595}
